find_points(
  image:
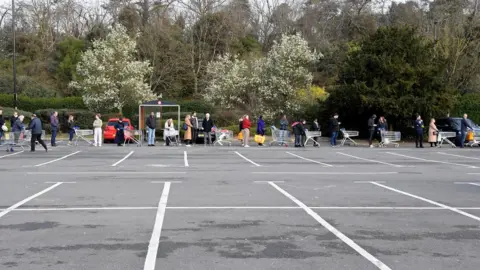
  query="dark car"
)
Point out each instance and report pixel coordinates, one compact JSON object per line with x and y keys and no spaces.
{"x":201,"y":135}
{"x":453,"y":124}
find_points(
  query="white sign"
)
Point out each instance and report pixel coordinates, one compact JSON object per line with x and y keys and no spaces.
{"x":158,"y":114}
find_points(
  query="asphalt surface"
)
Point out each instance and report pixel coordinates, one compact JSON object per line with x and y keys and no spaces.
{"x":238,"y":208}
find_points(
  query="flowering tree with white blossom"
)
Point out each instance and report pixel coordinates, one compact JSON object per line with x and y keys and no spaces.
{"x":266,"y":86}
{"x":108,"y":75}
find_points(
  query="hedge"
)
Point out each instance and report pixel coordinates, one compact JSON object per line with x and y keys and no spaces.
{"x":33,"y":104}
{"x":83,"y":118}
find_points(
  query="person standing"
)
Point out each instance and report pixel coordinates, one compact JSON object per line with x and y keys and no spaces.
{"x":17,"y":128}
{"x":188,"y":132}
{"x":333,"y":125}
{"x":260,"y":128}
{"x":194,"y":121}
{"x":432,"y":133}
{"x":371,"y":130}
{"x":464,"y":128}
{"x":151,"y":124}
{"x":2,"y":123}
{"x":71,"y":129}
{"x":315,"y":127}
{"x":419,"y":132}
{"x":246,"y":124}
{"x":120,"y":132}
{"x":207,"y":129}
{"x":299,"y":132}
{"x":36,"y":130}
{"x":13,"y":118}
{"x":97,"y":131}
{"x":54,"y":127}
{"x":168,"y":132}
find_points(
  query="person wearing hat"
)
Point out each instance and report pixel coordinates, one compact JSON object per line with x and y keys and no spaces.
{"x":371,"y":129}
{"x":36,"y":130}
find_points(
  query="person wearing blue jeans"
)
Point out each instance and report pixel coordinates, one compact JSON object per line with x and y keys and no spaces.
{"x":333,"y":125}
{"x":54,"y":127}
{"x":464,"y":128}
{"x":151,"y":126}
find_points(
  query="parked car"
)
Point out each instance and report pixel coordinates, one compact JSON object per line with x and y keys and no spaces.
{"x":109,"y":131}
{"x":453,"y":124}
{"x":201,"y":134}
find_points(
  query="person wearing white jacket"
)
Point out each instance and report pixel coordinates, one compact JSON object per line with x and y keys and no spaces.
{"x":97,"y":131}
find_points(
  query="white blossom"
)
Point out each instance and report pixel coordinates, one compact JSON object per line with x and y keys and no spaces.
{"x":266,"y":86}
{"x":109,"y":76}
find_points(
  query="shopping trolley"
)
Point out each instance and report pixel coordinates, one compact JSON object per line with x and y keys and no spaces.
{"x":390,"y":137}
{"x":223,"y":136}
{"x":82,"y":134}
{"x":279,"y":136}
{"x":133,"y":136}
{"x":347,"y":136}
{"x":444,"y":136}
{"x":171,"y":136}
{"x":14,"y":139}
{"x":311,"y":135}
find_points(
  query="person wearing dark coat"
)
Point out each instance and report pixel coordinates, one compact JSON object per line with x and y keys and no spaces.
{"x":260,"y":128}
{"x":151,"y":124}
{"x":333,"y":127}
{"x":120,"y":132}
{"x":371,"y":129}
{"x":315,"y":127}
{"x":13,"y":119}
{"x":299,"y":132}
{"x":419,"y":132}
{"x":207,"y":125}
{"x":36,"y":130}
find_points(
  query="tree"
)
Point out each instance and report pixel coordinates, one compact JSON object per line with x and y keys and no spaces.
{"x":393,"y":72}
{"x":67,"y":56}
{"x":267,"y":86}
{"x":108,"y":75}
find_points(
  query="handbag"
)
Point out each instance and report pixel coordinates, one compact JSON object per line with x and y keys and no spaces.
{"x":240,"y":136}
{"x":4,"y":128}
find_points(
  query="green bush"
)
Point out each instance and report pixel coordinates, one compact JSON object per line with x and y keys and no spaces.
{"x":469,"y":104}
{"x":83,"y":118}
{"x":33,"y":104}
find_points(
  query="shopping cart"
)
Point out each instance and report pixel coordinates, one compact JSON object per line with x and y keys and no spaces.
{"x":171,"y":136}
{"x":279,"y":136}
{"x":347,"y":136}
{"x":444,"y":136}
{"x":390,"y":137}
{"x":82,"y":134}
{"x":133,"y":136}
{"x":311,"y":135}
{"x":223,"y":136}
{"x":13,"y":140}
{"x":475,"y":139}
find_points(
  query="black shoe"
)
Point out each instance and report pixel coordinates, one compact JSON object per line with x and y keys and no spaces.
{"x":32,"y":150}
{"x":46,"y":150}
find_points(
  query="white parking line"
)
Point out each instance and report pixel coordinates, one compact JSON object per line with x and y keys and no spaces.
{"x":333,"y":230}
{"x":371,"y":160}
{"x":311,"y":160}
{"x":433,"y":161}
{"x":58,"y":159}
{"x":12,"y":154}
{"x":132,"y":208}
{"x":475,"y":184}
{"x":185,"y":158}
{"x":442,"y":153}
{"x":123,"y":159}
{"x":328,"y":173}
{"x":240,"y":155}
{"x":157,"y":230}
{"x":20,"y":203}
{"x":98,"y":173}
{"x":456,"y":210}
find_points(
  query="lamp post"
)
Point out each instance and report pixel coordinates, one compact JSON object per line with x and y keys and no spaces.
{"x":14,"y":58}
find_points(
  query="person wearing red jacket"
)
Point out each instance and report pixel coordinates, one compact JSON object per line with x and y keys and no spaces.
{"x":246,"y":124}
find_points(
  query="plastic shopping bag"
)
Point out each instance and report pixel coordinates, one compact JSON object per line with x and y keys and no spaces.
{"x":259,"y":139}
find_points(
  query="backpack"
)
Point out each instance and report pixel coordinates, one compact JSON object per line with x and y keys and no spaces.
{"x":185,"y":127}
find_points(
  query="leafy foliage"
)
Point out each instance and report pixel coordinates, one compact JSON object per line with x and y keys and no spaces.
{"x":394,"y":73}
{"x":108,"y":75}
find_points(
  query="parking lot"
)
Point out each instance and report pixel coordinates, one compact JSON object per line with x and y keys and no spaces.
{"x":236,"y":208}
